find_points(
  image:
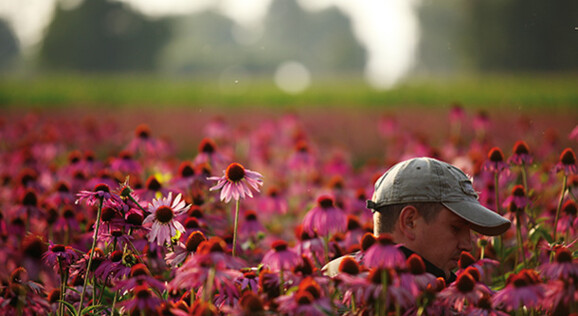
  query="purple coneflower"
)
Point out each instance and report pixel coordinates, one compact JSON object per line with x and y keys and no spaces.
{"x":325,"y":218}
{"x":58,"y":253}
{"x":564,"y":267}
{"x":520,"y":154}
{"x":523,"y":289}
{"x":567,"y":162}
{"x":464,"y":293}
{"x":208,"y":153}
{"x":182,"y":250}
{"x":384,"y":253}
{"x":518,"y":198}
{"x":281,"y":258}
{"x":495,"y":162}
{"x":100,"y":191}
{"x":162,"y":218}
{"x":237,"y":182}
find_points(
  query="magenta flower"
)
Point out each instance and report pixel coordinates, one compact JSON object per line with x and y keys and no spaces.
{"x":520,"y":154}
{"x":522,"y":290}
{"x":567,"y":162}
{"x":564,"y":268}
{"x":384,"y":253}
{"x":518,"y":198}
{"x":143,"y":301}
{"x":55,"y":253}
{"x":162,"y":218}
{"x":100,"y":191}
{"x":280,"y":258}
{"x":209,"y":154}
{"x":464,"y":293}
{"x":495,"y":162}
{"x":325,"y":218}
{"x":237,"y":182}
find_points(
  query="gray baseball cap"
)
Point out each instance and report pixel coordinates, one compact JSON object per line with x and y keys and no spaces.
{"x":431,"y":180}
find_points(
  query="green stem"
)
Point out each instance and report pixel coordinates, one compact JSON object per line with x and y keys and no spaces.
{"x":564,"y":187}
{"x":235,"y":225}
{"x":113,"y":303}
{"x":94,"y":237}
{"x":519,"y":236}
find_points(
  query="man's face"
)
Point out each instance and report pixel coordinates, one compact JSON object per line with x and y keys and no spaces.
{"x":442,"y":240}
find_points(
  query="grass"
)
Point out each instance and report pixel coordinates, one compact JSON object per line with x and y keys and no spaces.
{"x":134,"y":90}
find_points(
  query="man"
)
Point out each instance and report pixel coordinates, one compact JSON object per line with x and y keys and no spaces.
{"x":429,"y":207}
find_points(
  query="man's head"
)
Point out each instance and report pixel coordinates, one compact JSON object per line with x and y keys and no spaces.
{"x":430,"y":206}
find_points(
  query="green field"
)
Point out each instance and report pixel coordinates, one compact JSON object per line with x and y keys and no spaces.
{"x":133,"y":90}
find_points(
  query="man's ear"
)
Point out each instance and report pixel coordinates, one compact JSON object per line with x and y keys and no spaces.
{"x":407,"y":221}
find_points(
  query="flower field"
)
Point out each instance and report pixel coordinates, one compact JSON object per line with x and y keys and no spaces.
{"x":170,"y":212}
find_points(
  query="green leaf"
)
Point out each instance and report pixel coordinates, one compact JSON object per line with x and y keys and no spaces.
{"x":69,"y":306}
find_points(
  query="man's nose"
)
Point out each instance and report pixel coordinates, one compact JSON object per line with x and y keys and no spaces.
{"x":466,"y":242}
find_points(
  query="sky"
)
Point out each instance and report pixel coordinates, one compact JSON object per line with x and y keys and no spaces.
{"x":388,"y":29}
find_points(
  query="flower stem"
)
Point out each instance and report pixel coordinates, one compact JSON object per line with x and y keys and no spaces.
{"x":564,"y":187}
{"x":235,"y":225}
{"x":94,"y":237}
{"x":519,"y":236}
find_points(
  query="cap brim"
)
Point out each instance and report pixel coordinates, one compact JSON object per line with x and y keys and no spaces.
{"x":482,"y":219}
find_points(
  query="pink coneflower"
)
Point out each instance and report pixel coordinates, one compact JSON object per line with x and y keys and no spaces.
{"x":522,"y":290}
{"x":182,"y":250}
{"x":520,"y":154}
{"x":273,"y":202}
{"x":144,"y":143}
{"x":209,"y":154}
{"x":100,"y":191}
{"x":301,"y":160}
{"x":59,"y":253}
{"x":495,"y":162}
{"x":280,"y":258}
{"x":518,"y":198}
{"x":211,"y":269}
{"x":325,"y":218}
{"x":251,"y":227}
{"x":417,"y":274}
{"x":307,"y":300}
{"x":567,"y":162}
{"x":143,"y":301}
{"x":384,"y":254}
{"x":464,"y":293}
{"x":162,"y":218}
{"x":568,"y":222}
{"x":125,"y":164}
{"x":237,"y":182}
{"x":564,"y":267}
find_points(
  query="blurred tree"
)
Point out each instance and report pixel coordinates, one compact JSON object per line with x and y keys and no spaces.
{"x":101,"y":35}
{"x":9,"y":47}
{"x":523,"y":35}
{"x":323,"y":41}
{"x":208,"y":42}
{"x":498,"y":35}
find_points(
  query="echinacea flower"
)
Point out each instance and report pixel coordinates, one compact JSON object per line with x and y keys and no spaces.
{"x":208,"y":153}
{"x":518,"y":198}
{"x":464,"y":293}
{"x":280,"y":258}
{"x":325,"y":218}
{"x":523,"y":289}
{"x":237,"y":182}
{"x":520,"y":154}
{"x":495,"y":162}
{"x":163,"y":218}
{"x":567,"y":162}
{"x":59,"y":254}
{"x":100,"y":192}
{"x":384,"y":253}
{"x":563,"y":268}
